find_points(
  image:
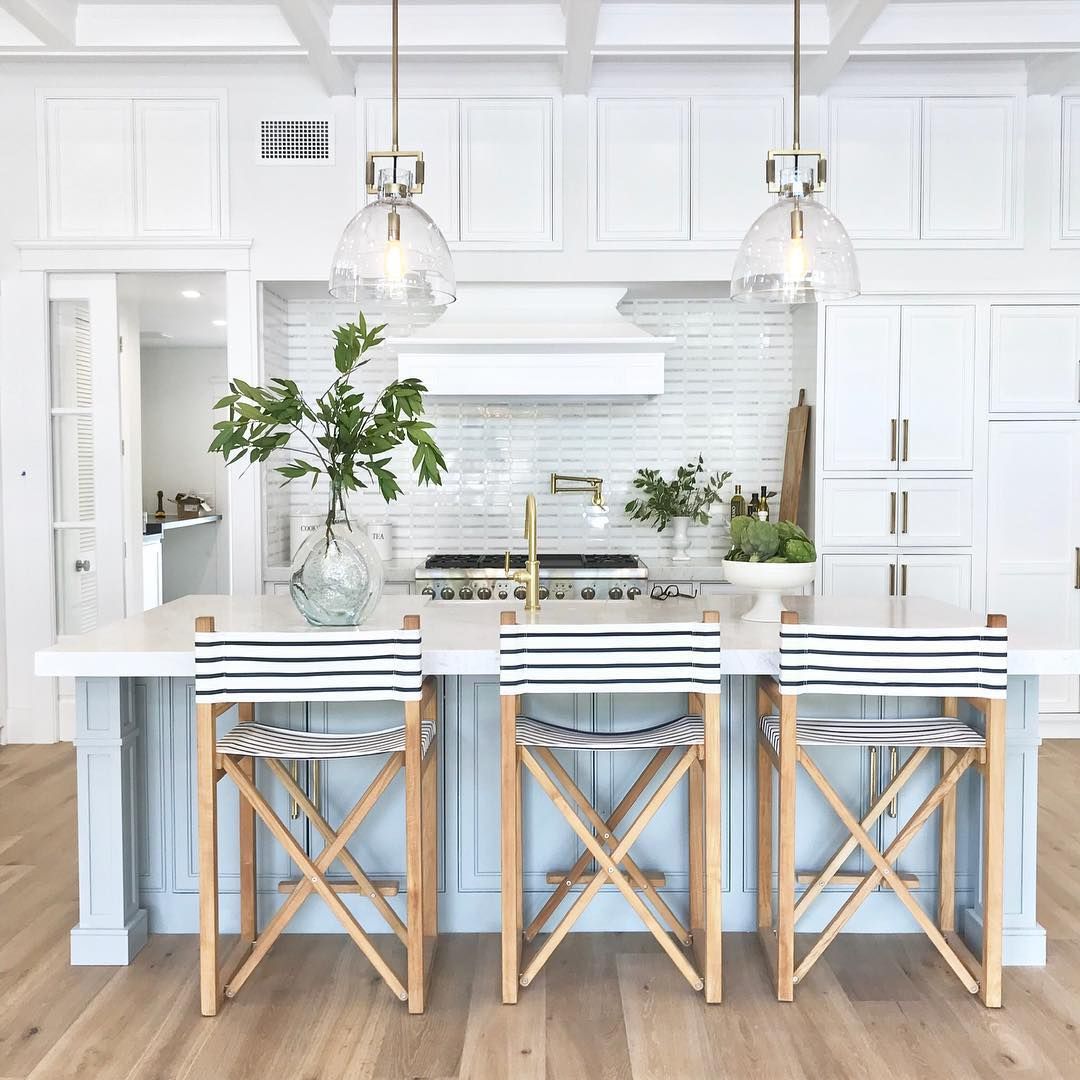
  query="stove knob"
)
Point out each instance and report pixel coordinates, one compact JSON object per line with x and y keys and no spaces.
{"x":559,"y":594}
{"x":588,"y":593}
{"x":428,"y":590}
{"x":519,"y":593}
{"x":633,"y":592}
{"x":447,"y":593}
{"x":502,"y":595}
{"x":465,"y":593}
{"x":483,"y":593}
{"x":614,"y":593}
{"x":544,"y":592}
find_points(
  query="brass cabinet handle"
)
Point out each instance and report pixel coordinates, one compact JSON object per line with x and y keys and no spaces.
{"x":873,"y":789}
{"x":892,"y":513}
{"x":903,"y":579}
{"x":904,"y":455}
{"x":894,"y":768}
{"x":892,"y":579}
{"x":294,"y":806}
{"x":904,"y":512}
{"x":892,"y":440}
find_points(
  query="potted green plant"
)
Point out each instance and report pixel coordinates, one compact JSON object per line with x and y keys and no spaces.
{"x":769,"y":558}
{"x":347,"y":437}
{"x":685,"y":499}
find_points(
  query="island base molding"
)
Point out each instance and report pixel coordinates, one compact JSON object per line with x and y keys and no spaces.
{"x":138,"y":841}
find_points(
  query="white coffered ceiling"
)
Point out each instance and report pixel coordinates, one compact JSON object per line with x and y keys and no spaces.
{"x":571,"y":34}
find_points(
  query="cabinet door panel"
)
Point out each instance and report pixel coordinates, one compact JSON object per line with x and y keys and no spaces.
{"x":89,"y":167}
{"x":936,"y":512}
{"x":937,"y":577}
{"x":968,"y":163}
{"x":642,"y":169}
{"x":1035,"y":358}
{"x":1031,"y":559}
{"x":177,"y":167}
{"x":730,"y":139}
{"x":1069,"y":180}
{"x":937,"y":387}
{"x":858,"y":575}
{"x":506,"y":170}
{"x":874,"y":166}
{"x":857,"y":513}
{"x":429,"y":125}
{"x":862,"y":372}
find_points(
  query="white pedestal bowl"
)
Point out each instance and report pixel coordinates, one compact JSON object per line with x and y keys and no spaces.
{"x":768,"y":582}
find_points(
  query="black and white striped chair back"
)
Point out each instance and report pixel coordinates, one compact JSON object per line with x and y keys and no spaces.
{"x":967,"y":661}
{"x":625,"y":658}
{"x":323,"y":665}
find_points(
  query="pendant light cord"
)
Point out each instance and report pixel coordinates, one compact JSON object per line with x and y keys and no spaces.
{"x":394,"y":80}
{"x":797,"y":51}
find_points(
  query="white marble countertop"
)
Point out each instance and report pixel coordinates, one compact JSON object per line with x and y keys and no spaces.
{"x":462,"y":639}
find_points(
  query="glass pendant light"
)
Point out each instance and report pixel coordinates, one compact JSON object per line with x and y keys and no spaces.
{"x":392,"y":255}
{"x":797,"y":252}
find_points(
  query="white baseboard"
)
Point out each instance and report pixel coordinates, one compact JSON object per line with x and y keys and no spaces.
{"x":1059,"y":725}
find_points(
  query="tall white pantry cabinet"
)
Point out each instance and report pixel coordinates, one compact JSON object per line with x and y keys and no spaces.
{"x":948,"y":460}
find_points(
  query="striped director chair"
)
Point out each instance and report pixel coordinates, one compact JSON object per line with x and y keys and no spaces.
{"x":953,"y":663}
{"x":242,"y":668}
{"x":614,"y":659}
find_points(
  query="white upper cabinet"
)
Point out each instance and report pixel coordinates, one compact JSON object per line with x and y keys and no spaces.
{"x":641,"y":185}
{"x":177,"y":168}
{"x":874,"y":159}
{"x":506,"y":170}
{"x":730,"y":138}
{"x":937,"y":387}
{"x":89,"y":180}
{"x":936,"y":512}
{"x":1035,"y":358}
{"x":1067,"y":210}
{"x":859,"y":512}
{"x":148,"y":166}
{"x":429,"y":125}
{"x":970,"y":169}
{"x":899,"y":388}
{"x":862,"y":378}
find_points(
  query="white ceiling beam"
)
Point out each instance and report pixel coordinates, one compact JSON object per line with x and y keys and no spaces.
{"x":1053,"y":72}
{"x":51,"y":21}
{"x":309,"y":21}
{"x":581,"y":17}
{"x":846,"y":31}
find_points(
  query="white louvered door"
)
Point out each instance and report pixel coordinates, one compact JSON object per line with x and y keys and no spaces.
{"x":87,"y":499}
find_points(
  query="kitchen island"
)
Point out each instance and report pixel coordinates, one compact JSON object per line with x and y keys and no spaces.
{"x":138,"y":849}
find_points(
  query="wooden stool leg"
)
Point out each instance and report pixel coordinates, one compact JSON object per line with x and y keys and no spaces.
{"x":696,"y":861}
{"x":764,"y":837}
{"x":414,"y":857}
{"x":206,"y":782}
{"x":785,"y":900}
{"x":713,"y":849}
{"x":430,"y":842}
{"x":249,"y":920}
{"x":993,"y":853}
{"x":947,"y":850}
{"x":511,"y":853}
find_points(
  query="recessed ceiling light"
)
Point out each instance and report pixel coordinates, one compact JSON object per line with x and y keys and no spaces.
{"x":217,"y":322}
{"x":190,"y":294}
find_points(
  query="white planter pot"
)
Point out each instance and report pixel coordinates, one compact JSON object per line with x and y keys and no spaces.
{"x":680,"y":539}
{"x":768,"y":582}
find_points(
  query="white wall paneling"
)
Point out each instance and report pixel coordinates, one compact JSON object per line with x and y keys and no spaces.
{"x":126,"y":164}
{"x":874,"y":157}
{"x":641,"y":169}
{"x":1035,"y":358}
{"x":1067,"y":203}
{"x":729,"y":140}
{"x":971,"y":168}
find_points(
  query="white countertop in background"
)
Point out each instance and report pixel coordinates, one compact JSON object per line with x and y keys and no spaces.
{"x":462,"y":638}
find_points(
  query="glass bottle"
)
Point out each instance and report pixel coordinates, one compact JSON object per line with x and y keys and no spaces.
{"x":763,"y":504}
{"x":754,"y":506}
{"x":738,"y":502}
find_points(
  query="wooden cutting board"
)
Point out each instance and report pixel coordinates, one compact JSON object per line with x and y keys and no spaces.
{"x":798,"y":430}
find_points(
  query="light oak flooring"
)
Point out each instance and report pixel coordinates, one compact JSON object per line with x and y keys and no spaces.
{"x":607,"y":1007}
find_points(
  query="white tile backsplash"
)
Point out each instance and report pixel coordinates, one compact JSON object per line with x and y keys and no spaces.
{"x":728,"y":386}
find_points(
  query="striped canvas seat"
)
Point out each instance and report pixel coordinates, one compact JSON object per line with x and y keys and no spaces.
{"x":262,"y":740}
{"x":685,"y":731}
{"x":932,"y":731}
{"x":308,"y":665}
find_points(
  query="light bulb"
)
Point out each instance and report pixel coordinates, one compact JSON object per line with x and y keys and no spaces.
{"x":393,"y":261}
{"x":795,"y":261}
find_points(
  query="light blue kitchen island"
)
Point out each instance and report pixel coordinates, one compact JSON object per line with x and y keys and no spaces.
{"x":138,"y":850}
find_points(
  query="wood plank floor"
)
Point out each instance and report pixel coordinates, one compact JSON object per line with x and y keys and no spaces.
{"x":608,"y":1007}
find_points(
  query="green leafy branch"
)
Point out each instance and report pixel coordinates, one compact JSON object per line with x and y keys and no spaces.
{"x":340,"y":434}
{"x":692,"y":493}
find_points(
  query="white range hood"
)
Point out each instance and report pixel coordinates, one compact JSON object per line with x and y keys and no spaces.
{"x":534,"y":341}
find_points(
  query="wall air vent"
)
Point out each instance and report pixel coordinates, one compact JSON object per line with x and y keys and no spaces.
{"x":288,"y":141}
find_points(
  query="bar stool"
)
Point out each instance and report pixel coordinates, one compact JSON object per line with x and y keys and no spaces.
{"x":242,"y":668}
{"x":614,"y":659}
{"x":952,"y":663}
